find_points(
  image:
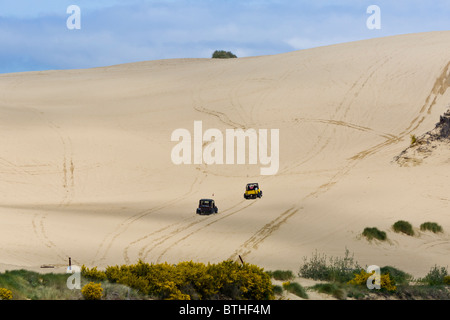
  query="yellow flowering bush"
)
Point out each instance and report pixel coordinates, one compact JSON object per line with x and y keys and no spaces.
{"x":92,"y":291}
{"x":191,"y":280}
{"x":385,"y":280}
{"x":171,"y":292}
{"x":5,"y":294}
{"x":241,"y":281}
{"x":93,"y":273}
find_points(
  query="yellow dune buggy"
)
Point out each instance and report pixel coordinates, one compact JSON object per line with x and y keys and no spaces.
{"x":252,"y":191}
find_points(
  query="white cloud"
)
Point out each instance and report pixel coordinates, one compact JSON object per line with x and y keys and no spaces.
{"x":119,"y":31}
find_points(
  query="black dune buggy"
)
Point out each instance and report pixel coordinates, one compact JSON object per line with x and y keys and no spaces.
{"x":207,"y":207}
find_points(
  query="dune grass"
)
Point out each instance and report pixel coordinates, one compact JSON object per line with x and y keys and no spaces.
{"x":333,"y":289}
{"x":340,"y":273}
{"x":277,"y":290}
{"x":34,"y":286}
{"x":431,"y":226}
{"x":403,"y":227}
{"x":29,"y":285}
{"x":374,"y":233}
{"x":282,"y":275}
{"x":295,"y":288}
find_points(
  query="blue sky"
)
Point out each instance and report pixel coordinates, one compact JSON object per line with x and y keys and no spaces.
{"x":34,"y":34}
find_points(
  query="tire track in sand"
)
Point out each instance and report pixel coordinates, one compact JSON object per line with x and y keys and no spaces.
{"x":441,"y":84}
{"x":198,"y":104}
{"x":68,"y":185}
{"x":39,"y":219}
{"x":274,"y":224}
{"x":263,"y":233}
{"x":192,"y":231}
{"x":342,"y":108}
{"x":121,"y":228}
{"x":160,"y":236}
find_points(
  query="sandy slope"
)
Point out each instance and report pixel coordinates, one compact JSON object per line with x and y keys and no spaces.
{"x":85,"y":168}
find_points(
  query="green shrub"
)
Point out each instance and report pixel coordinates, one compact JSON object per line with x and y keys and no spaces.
{"x":431,"y":226}
{"x":436,"y":276}
{"x":447,"y":280}
{"x":404,"y":227}
{"x":222,"y":54}
{"x":282,"y":275}
{"x":397,"y":276}
{"x":374,"y":233}
{"x":5,"y":294}
{"x":316,"y":268}
{"x":295,"y":288}
{"x":92,"y":291}
{"x":332,"y":269}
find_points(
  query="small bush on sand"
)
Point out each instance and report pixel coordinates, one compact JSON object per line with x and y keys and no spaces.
{"x":92,"y":291}
{"x":431,"y":226}
{"x":5,"y":294}
{"x":374,"y":233}
{"x":436,"y":276}
{"x":282,"y":275}
{"x":332,"y":269}
{"x":404,"y":227}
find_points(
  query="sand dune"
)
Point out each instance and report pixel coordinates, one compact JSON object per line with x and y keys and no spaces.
{"x":86,"y":173}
